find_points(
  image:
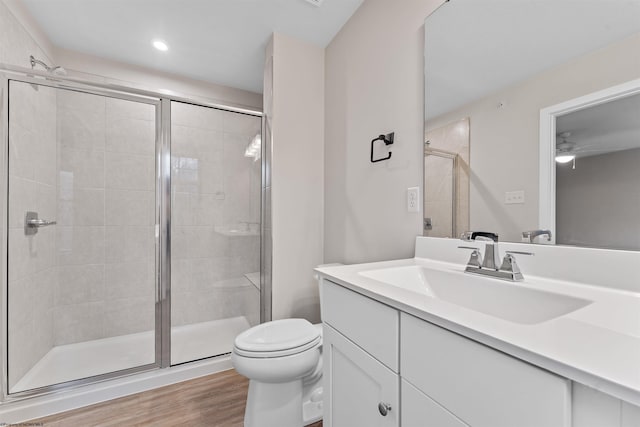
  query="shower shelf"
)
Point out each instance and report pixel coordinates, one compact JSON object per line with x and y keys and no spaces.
{"x":231,"y":231}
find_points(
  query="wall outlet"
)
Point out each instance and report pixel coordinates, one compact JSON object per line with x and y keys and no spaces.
{"x":413,"y":199}
{"x":514,"y":197}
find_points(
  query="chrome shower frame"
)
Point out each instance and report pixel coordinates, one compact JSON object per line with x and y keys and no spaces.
{"x":162,"y":102}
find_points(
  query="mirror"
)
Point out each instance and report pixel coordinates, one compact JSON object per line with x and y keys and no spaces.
{"x":505,"y":67}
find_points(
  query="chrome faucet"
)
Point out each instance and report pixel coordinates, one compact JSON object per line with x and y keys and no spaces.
{"x":490,"y":264}
{"x":491,"y":257}
{"x":532,"y":234}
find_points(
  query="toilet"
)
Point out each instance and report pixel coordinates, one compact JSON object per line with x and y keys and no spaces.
{"x":283,"y":362}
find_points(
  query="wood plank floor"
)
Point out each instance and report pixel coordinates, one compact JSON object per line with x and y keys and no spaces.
{"x":213,"y":401}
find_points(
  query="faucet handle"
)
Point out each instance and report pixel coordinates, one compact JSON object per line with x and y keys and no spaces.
{"x":476,"y":258}
{"x":519,"y":253}
{"x":510,"y":265}
{"x":532,"y":234}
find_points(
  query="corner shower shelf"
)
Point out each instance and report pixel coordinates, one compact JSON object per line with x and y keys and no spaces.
{"x":231,"y":231}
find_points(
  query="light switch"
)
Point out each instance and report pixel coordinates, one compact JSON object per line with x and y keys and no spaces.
{"x":514,"y":197}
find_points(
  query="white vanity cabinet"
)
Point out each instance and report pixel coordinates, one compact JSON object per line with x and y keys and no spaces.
{"x":360,"y":351}
{"x":374,"y":354}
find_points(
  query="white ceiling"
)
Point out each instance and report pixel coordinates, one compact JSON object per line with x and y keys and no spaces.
{"x":218,"y":41}
{"x":474,"y":48}
{"x":605,"y":128}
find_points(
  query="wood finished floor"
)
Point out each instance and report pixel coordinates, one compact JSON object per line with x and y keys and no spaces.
{"x":213,"y":401}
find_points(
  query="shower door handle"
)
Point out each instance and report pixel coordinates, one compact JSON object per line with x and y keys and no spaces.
{"x":40,"y":223}
{"x":32,"y":223}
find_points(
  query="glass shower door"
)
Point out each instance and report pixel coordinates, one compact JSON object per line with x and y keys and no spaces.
{"x":439,"y":193}
{"x":215,"y":229}
{"x":82,"y":251}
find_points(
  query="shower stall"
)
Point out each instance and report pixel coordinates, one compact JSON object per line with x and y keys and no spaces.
{"x":440,"y":193}
{"x":131,"y":230}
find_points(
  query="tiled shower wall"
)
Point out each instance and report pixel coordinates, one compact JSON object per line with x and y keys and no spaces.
{"x":216,"y":215}
{"x":106,"y":218}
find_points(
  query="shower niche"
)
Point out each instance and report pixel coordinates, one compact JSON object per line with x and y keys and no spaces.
{"x":145,"y":252}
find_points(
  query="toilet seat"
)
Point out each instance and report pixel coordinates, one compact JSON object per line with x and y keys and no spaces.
{"x":278,"y":338}
{"x":278,"y":353}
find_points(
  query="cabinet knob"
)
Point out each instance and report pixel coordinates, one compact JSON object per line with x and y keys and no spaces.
{"x":384,"y":408}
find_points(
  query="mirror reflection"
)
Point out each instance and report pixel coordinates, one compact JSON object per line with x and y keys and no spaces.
{"x":597,"y":186}
{"x":497,"y":64}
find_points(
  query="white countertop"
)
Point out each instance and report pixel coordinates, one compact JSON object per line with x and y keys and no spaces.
{"x":597,"y":345}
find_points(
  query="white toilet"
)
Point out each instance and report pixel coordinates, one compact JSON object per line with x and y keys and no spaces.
{"x":283,"y":362}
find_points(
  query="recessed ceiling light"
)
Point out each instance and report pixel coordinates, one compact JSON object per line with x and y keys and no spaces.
{"x":160,"y":45}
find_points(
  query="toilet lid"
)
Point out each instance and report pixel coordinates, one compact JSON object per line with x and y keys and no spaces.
{"x":277,"y":335}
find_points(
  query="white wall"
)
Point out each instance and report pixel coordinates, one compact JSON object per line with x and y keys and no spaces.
{"x":374,"y":85}
{"x":505,"y":141}
{"x":297,"y":176}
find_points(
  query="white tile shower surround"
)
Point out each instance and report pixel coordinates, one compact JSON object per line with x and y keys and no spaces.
{"x":106,"y":217}
{"x":89,"y":358}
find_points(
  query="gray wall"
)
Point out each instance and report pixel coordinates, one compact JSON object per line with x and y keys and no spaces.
{"x":598,"y":203}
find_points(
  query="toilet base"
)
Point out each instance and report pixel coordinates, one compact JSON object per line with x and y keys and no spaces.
{"x":270,"y":404}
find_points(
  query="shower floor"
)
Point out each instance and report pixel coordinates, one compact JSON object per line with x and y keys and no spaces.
{"x":86,"y":359}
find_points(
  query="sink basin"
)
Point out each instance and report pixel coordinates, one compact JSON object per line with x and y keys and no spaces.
{"x":505,"y":300}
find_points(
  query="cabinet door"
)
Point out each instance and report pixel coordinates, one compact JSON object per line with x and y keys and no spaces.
{"x":355,"y":384}
{"x":481,"y":386}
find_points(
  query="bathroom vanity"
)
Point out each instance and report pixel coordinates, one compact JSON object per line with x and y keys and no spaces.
{"x":418,"y":342}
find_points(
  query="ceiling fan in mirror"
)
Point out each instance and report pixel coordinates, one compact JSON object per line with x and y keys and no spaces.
{"x":567,"y":150}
